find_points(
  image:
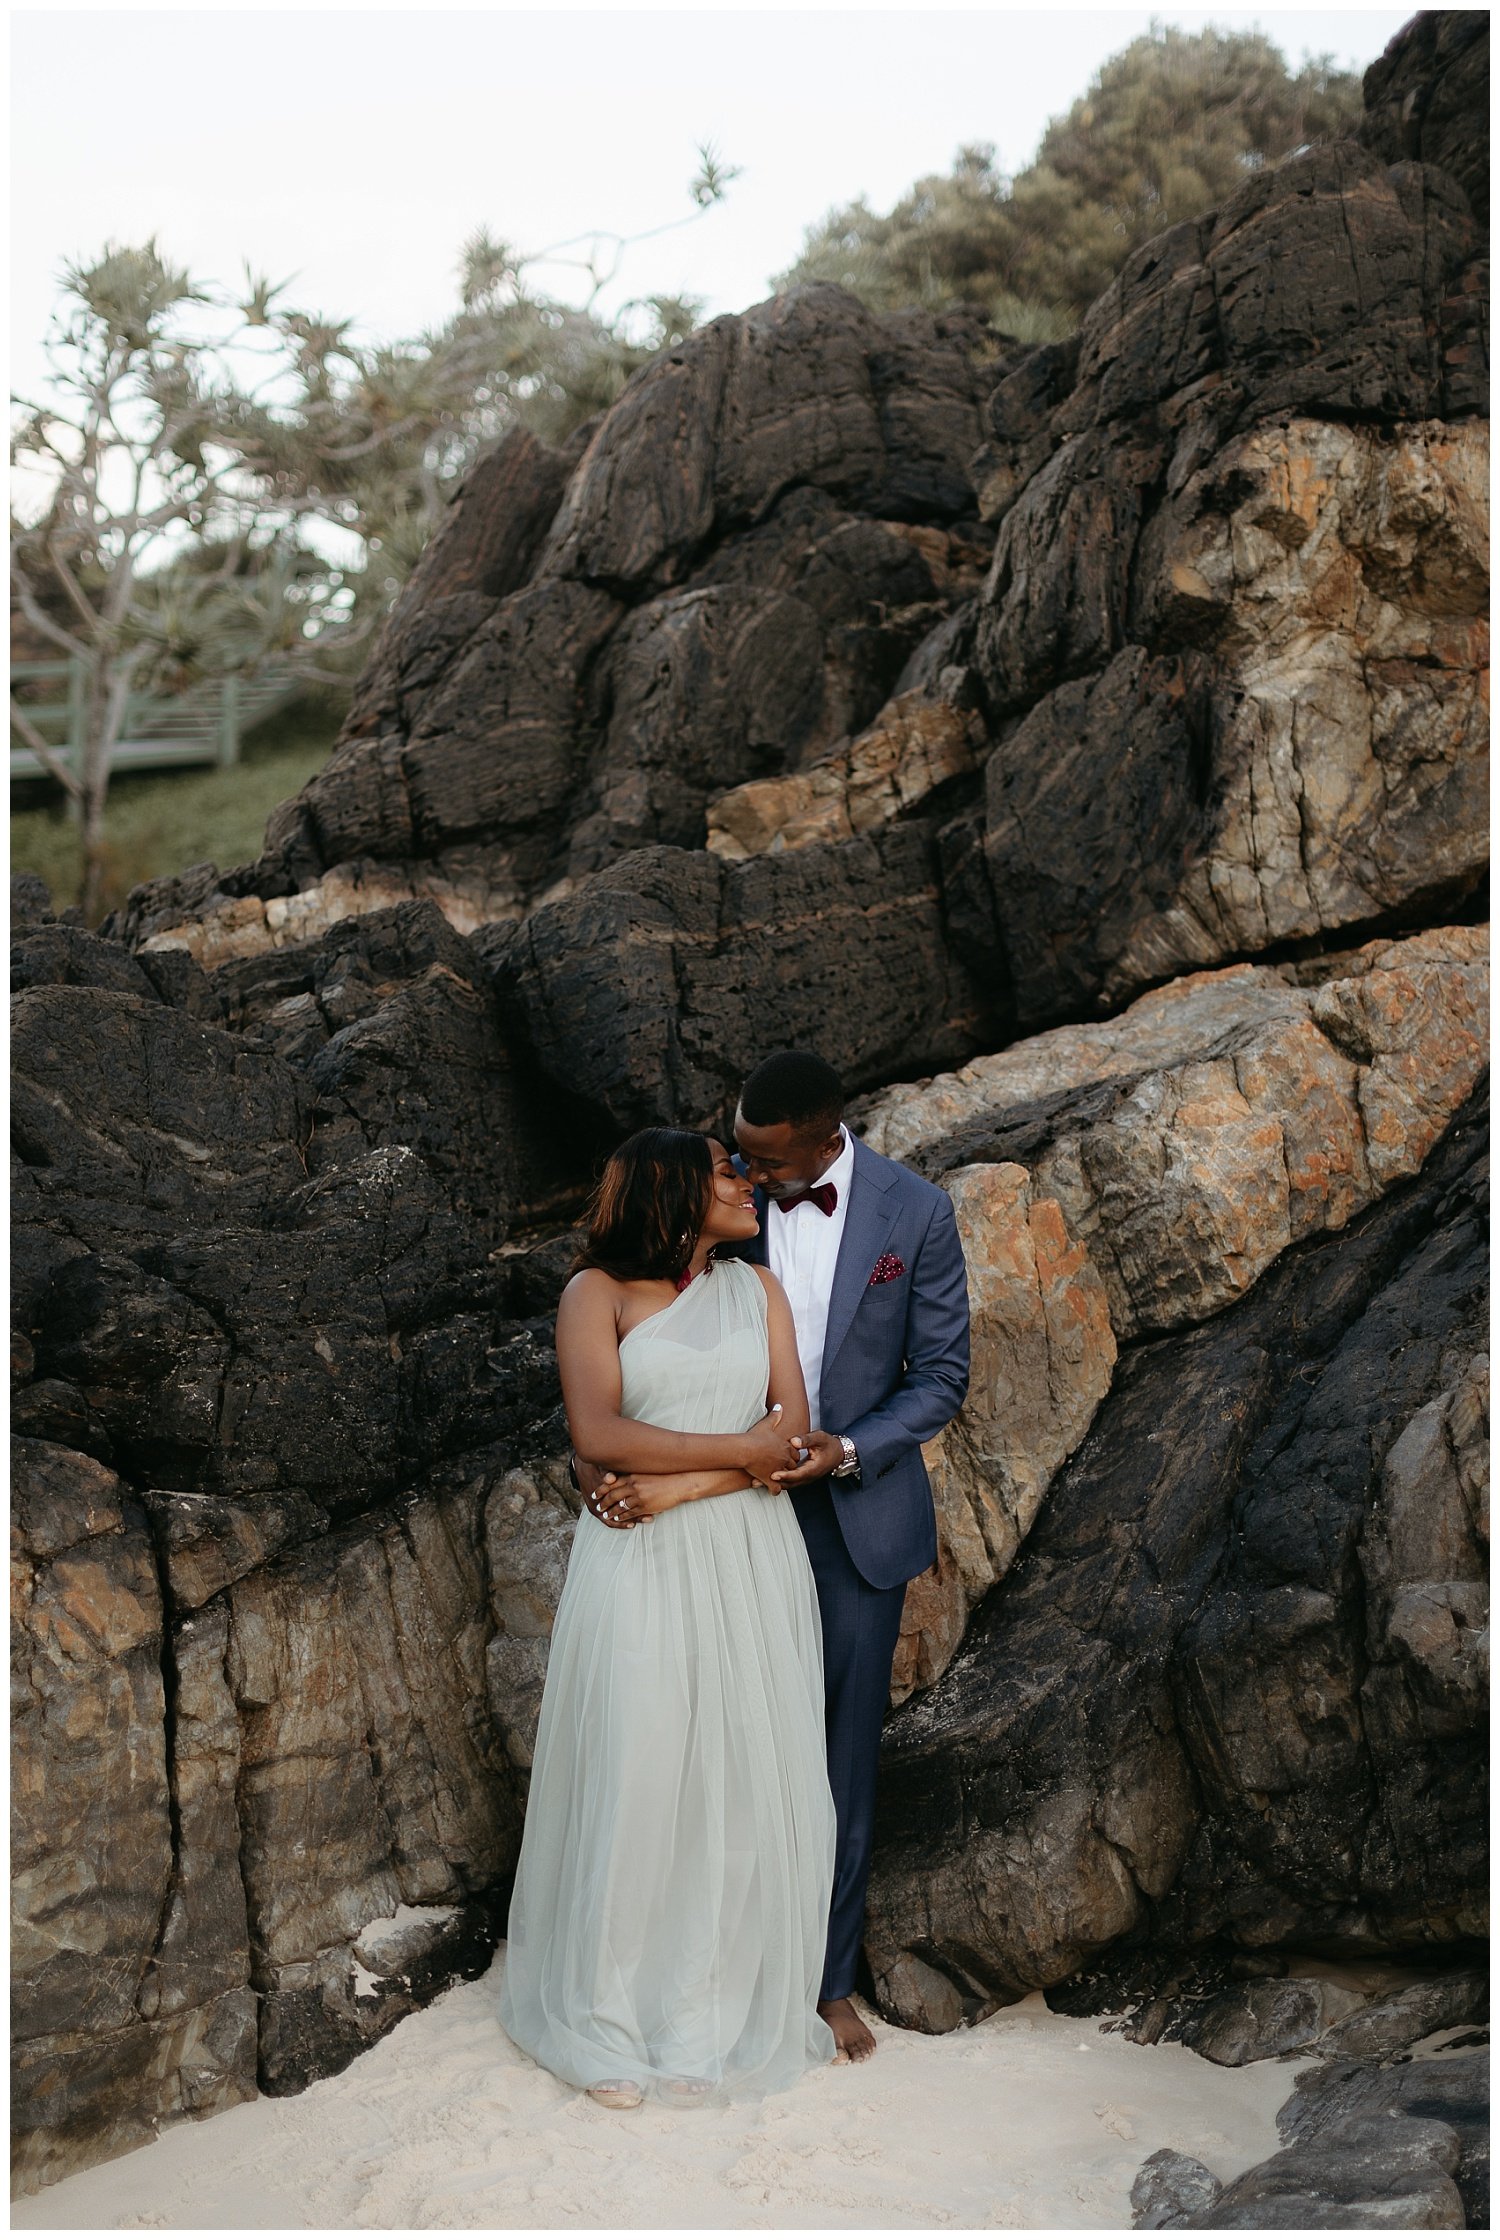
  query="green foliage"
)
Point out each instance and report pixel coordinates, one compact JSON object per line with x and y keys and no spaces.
{"x":150,"y":550}
{"x":949,"y":240}
{"x":1168,"y":129}
{"x":126,"y":297}
{"x":189,"y":446}
{"x":162,"y":822}
{"x":223,"y":606}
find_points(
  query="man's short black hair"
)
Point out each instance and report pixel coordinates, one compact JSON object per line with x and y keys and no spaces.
{"x":795,"y":1086}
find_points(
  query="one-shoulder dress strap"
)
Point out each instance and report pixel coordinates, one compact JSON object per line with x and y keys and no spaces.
{"x":746,"y":1283}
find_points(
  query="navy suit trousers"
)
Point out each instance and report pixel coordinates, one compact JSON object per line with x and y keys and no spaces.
{"x":861,"y":1624}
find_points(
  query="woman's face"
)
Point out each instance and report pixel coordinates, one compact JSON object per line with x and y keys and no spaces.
{"x":731,"y":1208}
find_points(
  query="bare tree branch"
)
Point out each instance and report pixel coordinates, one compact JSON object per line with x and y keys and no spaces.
{"x":390,"y":435}
{"x":39,"y":618}
{"x":70,"y":584}
{"x":46,"y":755}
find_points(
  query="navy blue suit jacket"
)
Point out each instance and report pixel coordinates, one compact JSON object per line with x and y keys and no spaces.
{"x":895,"y":1360}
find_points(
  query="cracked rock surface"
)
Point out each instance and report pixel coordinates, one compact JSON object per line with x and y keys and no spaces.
{"x":276,"y":1629}
{"x":1368,"y":2149}
{"x":1181,"y":1716}
{"x":1080,"y":746}
{"x":1114,"y":1182}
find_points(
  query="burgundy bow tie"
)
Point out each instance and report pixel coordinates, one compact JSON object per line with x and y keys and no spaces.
{"x":823,"y":1195}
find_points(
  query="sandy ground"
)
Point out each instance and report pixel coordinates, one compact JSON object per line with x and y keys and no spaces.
{"x":1028,"y":2120}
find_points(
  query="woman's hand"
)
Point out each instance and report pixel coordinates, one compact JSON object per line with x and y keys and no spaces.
{"x":767,"y":1449}
{"x":634,"y":1497}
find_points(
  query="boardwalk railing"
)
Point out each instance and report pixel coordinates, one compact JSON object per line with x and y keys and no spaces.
{"x":203,"y":724}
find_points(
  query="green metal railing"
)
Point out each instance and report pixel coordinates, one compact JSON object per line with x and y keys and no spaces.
{"x":203,"y":724}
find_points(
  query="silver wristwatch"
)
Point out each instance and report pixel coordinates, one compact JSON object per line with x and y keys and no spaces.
{"x":850,"y":1464}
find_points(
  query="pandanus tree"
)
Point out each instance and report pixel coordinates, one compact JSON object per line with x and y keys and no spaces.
{"x":148,"y":548}
{"x":211,"y":479}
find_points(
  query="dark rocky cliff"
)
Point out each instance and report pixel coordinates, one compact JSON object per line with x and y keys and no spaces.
{"x":1083,"y":746}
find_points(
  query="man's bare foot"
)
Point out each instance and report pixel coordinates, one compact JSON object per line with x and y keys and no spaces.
{"x":854,"y":2041}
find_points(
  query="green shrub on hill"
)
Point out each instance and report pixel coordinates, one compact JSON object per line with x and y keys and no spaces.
{"x":1168,"y":128}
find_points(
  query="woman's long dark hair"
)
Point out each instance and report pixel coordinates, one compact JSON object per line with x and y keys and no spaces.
{"x":650,"y":1205}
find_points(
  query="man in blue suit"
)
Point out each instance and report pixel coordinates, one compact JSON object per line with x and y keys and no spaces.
{"x":870,"y":1258}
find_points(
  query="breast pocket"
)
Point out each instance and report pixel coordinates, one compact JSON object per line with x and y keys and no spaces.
{"x":886,"y":1302}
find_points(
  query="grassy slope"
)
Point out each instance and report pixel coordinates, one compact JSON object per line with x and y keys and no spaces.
{"x":164,"y":821}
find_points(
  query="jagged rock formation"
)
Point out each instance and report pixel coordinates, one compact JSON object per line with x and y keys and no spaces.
{"x":918,"y":743}
{"x":278,"y":1632}
{"x":122,"y":2000}
{"x":758,"y":535}
{"x":657,"y":986}
{"x":1368,"y":2148}
{"x":1116,"y":1181}
{"x":1080,"y":746}
{"x":1190,"y":1711}
{"x":1424,"y":95}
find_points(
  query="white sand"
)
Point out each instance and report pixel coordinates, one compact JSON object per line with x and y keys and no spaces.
{"x":1028,"y":2120}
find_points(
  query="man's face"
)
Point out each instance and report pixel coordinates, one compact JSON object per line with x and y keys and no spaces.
{"x":780,"y":1160}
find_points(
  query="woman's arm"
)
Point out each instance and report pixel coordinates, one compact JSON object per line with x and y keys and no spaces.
{"x":629,"y":1497}
{"x":683,"y":1485}
{"x":632,"y":1497}
{"x":786,"y":1386}
{"x":588,"y":1361}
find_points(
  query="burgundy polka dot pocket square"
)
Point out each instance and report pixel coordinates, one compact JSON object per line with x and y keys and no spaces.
{"x":887,"y":1268}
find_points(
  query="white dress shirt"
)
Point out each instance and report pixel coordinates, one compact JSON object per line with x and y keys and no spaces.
{"x":802,"y":1250}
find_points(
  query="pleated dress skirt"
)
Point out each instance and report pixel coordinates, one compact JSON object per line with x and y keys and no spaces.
{"x":671,"y":1900}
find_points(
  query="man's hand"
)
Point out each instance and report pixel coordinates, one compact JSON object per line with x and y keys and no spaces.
{"x":823,"y":1454}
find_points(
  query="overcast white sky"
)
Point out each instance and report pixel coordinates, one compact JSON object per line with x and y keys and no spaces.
{"x":355,"y":148}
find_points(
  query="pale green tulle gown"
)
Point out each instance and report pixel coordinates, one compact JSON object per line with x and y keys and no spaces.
{"x":671,"y":1901}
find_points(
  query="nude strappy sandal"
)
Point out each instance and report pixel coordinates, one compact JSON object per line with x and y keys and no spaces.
{"x":618,"y":2093}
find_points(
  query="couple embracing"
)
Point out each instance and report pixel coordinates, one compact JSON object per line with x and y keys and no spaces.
{"x":751,"y":1355}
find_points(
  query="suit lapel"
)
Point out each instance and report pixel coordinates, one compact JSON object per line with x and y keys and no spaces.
{"x":866,"y":1227}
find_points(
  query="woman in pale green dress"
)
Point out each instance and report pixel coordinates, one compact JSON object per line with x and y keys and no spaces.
{"x":671,"y":1902}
